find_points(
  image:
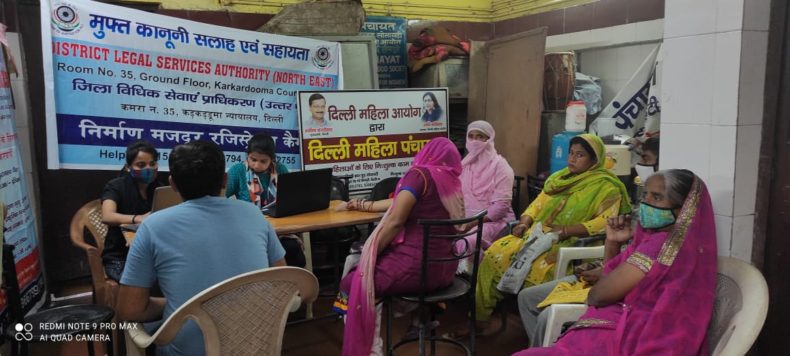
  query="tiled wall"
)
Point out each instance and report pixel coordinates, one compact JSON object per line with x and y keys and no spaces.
{"x":712,"y":94}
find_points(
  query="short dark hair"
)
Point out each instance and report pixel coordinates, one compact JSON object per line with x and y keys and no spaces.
{"x":262,"y":143}
{"x":315,"y":97}
{"x":651,"y":144}
{"x":578,"y":140}
{"x":139,"y":146}
{"x":197,"y":168}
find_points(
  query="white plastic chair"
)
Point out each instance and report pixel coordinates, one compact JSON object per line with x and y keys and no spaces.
{"x":568,"y":254}
{"x":243,"y":315}
{"x":558,"y":314}
{"x":739,"y":311}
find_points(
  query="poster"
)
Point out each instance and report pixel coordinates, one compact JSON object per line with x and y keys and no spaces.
{"x":20,"y":226}
{"x":390,"y":33}
{"x":637,"y":107}
{"x":115,"y":75}
{"x":369,"y":135}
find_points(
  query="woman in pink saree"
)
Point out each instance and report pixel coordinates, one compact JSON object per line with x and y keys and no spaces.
{"x":487,"y":181}
{"x":390,"y":261}
{"x":656,"y":296}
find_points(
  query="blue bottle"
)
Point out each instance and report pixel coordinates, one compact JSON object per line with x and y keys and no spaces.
{"x":560,"y":144}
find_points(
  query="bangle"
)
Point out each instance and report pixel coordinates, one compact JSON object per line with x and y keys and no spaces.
{"x":133,"y":217}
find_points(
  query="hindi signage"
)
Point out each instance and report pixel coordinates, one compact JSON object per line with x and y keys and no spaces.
{"x":116,"y":75}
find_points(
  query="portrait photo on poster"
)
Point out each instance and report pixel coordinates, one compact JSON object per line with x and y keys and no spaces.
{"x":432,"y":111}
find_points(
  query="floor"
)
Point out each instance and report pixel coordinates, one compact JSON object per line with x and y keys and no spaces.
{"x":325,"y":337}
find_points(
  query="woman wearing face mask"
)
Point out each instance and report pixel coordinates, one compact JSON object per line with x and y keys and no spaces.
{"x":575,"y":202}
{"x":127,"y":200}
{"x":648,"y":164}
{"x":487,"y":183}
{"x":656,"y":296}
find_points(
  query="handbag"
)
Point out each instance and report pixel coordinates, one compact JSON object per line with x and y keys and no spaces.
{"x":537,"y":243}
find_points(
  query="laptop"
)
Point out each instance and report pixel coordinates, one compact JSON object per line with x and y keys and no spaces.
{"x":164,"y":197}
{"x":301,"y":192}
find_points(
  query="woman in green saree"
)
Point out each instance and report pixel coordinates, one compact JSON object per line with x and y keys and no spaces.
{"x":575,"y":202}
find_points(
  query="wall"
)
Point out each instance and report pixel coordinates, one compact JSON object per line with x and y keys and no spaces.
{"x":712,"y":106}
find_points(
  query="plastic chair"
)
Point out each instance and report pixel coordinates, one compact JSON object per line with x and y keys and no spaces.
{"x":243,"y":315}
{"x":568,"y":254}
{"x":740,"y":309}
{"x":105,"y":290}
{"x":459,"y":288}
{"x":738,"y":315}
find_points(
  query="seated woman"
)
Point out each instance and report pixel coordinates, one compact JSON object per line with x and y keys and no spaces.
{"x":487,"y":183}
{"x":656,"y":296}
{"x":127,"y":200}
{"x":575,"y":202}
{"x":255,"y":180}
{"x":390,"y":261}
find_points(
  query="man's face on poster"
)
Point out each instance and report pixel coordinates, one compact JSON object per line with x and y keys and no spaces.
{"x":317,"y":109}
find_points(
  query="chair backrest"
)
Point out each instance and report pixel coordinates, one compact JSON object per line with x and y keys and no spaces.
{"x":246,"y":314}
{"x":516,"y":199}
{"x":568,"y":254}
{"x":740,"y":309}
{"x":88,"y":217}
{"x":338,"y":189}
{"x":429,"y":232}
{"x":534,"y":187}
{"x":384,"y":188}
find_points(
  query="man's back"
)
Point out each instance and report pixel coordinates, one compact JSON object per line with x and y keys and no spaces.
{"x":195,"y":245}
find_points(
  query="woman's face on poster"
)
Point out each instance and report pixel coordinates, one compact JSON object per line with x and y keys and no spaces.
{"x":427,"y":103}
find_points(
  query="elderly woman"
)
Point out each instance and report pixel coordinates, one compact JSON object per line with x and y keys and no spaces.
{"x":575,"y":202}
{"x":656,"y":296}
{"x":487,"y":183}
{"x":390,"y":262}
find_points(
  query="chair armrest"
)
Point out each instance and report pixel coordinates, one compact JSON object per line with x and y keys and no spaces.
{"x":137,"y":340}
{"x":568,"y":254}
{"x":558,"y":315}
{"x":589,"y":240}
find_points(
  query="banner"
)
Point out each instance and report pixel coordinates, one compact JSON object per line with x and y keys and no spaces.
{"x":115,"y":75}
{"x":638,"y":99}
{"x":19,"y":225}
{"x":369,"y":135}
{"x":390,"y":35}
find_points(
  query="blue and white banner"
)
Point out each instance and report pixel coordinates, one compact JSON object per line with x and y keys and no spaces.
{"x":637,"y":107}
{"x":115,"y":75}
{"x":19,"y":228}
{"x":390,"y":33}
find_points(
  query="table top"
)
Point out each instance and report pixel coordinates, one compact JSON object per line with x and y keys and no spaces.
{"x":322,"y":219}
{"x":306,"y":222}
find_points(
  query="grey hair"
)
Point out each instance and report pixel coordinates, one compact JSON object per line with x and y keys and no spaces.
{"x":677,"y":184}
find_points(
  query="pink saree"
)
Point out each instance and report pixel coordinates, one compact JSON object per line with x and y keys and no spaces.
{"x":441,"y":160}
{"x":668,"y":312}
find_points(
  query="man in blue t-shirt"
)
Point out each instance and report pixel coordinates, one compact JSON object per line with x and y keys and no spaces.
{"x":194,"y":245}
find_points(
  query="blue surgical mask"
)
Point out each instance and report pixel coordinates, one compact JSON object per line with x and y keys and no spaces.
{"x":652,"y":217}
{"x":145,"y":175}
